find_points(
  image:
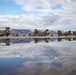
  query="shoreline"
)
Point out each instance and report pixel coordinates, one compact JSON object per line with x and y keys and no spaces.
{"x":14,"y":37}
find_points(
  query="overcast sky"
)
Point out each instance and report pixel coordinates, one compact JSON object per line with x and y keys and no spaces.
{"x":41,"y":14}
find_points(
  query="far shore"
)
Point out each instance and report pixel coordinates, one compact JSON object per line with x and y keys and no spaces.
{"x":14,"y":37}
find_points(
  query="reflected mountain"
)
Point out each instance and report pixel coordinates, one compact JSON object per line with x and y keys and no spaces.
{"x":36,"y":40}
{"x":27,"y":40}
{"x":53,"y":39}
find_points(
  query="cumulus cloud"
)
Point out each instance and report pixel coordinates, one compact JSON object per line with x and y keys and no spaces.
{"x":51,"y":14}
{"x":54,"y":22}
{"x":67,"y":6}
{"x":22,"y":21}
{"x":42,"y":7}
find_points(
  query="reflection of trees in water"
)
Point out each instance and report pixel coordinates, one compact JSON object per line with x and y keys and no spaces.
{"x":7,"y":41}
{"x":74,"y":38}
{"x":69,"y":39}
{"x":36,"y":40}
{"x":59,"y":39}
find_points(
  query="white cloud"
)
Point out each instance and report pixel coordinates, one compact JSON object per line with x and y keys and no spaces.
{"x":42,"y":6}
{"x":53,"y":22}
{"x":22,"y":21}
{"x":68,"y":6}
{"x":43,"y":16}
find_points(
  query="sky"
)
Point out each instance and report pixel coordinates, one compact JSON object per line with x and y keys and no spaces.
{"x":38,"y":14}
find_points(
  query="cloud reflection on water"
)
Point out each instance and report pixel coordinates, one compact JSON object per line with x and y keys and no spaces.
{"x":55,"y":58}
{"x":32,"y":50}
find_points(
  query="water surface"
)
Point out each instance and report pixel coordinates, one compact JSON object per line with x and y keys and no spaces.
{"x":38,"y":58}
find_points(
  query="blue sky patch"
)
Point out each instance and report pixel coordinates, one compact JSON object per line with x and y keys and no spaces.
{"x":56,"y":7}
{"x":10,"y":7}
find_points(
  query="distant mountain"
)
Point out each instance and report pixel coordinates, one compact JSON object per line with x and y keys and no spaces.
{"x":26,"y":32}
{"x":21,"y":31}
{"x":53,"y":32}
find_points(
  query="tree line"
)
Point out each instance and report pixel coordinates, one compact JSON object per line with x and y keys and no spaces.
{"x":37,"y":33}
{"x":60,"y":33}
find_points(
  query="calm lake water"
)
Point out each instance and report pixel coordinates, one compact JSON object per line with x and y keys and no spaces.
{"x":37,"y":57}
